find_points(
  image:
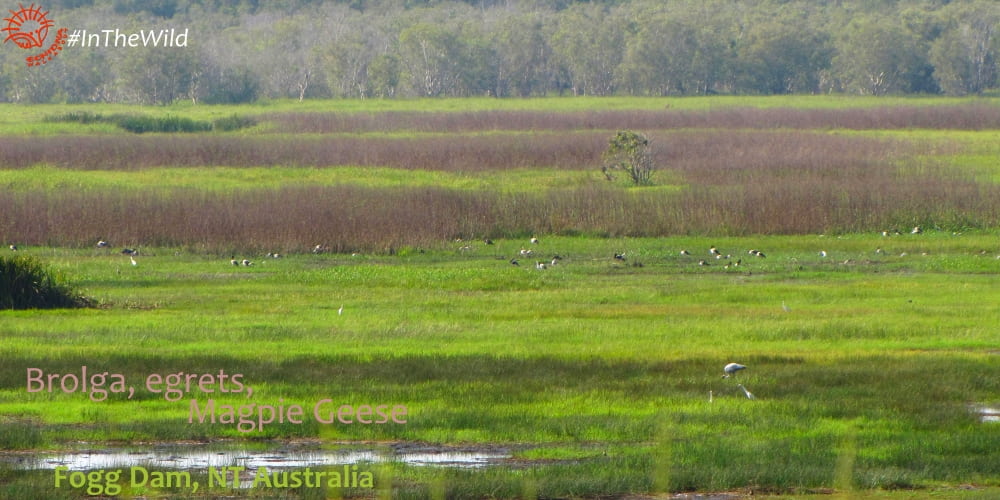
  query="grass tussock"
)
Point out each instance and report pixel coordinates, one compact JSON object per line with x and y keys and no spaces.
{"x":25,"y":283}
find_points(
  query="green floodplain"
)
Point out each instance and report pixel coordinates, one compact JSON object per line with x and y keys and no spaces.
{"x":871,"y":349}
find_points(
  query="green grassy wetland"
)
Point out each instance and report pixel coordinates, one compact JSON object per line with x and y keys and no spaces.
{"x":872,"y":351}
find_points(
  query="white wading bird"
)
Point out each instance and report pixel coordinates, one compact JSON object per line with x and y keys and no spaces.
{"x":731,"y":369}
{"x":745,"y":391}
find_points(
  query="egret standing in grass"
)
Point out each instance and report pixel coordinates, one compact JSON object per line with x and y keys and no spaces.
{"x":745,"y":391}
{"x":731,"y":369}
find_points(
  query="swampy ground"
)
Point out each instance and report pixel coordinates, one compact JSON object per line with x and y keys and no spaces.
{"x":870,"y":348}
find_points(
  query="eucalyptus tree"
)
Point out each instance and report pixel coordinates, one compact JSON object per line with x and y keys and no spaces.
{"x":878,"y":55}
{"x":431,"y":57}
{"x":782,"y":52}
{"x":156,"y":75}
{"x":964,"y":56}
{"x":589,"y":42}
{"x":684,"y":49}
{"x":523,"y":54}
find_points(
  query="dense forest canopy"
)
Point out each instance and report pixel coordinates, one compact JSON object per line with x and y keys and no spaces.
{"x":246,"y":50}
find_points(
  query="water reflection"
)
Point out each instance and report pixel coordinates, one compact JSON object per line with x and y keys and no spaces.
{"x":201,"y":457}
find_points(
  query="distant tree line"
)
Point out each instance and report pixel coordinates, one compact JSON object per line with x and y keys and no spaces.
{"x":247,"y":50}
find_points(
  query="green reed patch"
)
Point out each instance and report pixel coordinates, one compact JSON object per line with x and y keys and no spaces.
{"x":140,"y":124}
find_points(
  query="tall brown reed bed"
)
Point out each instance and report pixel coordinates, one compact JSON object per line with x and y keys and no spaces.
{"x":748,"y":181}
{"x":381,"y":220}
{"x":974,"y":116}
{"x":456,"y":153}
{"x":702,"y":154}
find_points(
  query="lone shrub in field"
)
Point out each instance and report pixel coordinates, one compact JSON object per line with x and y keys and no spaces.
{"x":26,"y":284}
{"x":628,"y":151}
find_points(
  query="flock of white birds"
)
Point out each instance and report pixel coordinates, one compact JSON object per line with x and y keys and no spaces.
{"x":728,"y":371}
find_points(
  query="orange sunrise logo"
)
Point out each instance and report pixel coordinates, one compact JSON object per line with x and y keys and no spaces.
{"x":28,"y":28}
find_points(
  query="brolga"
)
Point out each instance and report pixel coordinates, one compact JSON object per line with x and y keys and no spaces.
{"x":731,"y":369}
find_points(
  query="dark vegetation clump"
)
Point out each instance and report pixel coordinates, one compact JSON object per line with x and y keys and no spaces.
{"x":26,"y":284}
{"x":144,"y":124}
{"x":233,"y":122}
{"x":140,"y":124}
